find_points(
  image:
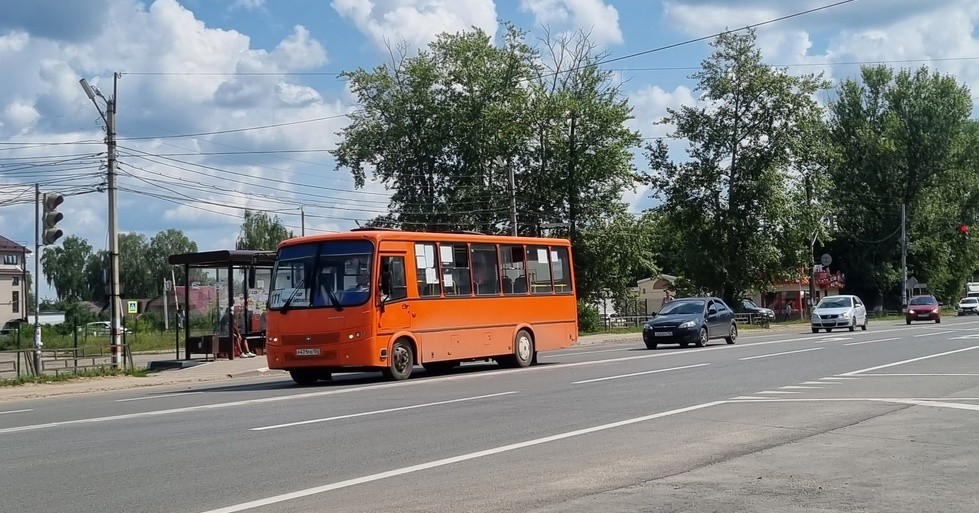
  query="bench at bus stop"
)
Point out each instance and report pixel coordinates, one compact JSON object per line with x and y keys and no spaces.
{"x":219,"y":346}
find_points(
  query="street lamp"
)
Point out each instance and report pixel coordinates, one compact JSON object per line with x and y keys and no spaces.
{"x":115,"y":303}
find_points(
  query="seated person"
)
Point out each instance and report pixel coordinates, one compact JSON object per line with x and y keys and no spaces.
{"x":238,"y":342}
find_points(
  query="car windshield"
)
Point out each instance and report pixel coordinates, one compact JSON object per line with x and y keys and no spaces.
{"x":835,"y":302}
{"x":969,"y":300}
{"x":683,"y":308}
{"x":747,"y":303}
{"x":923,"y":300}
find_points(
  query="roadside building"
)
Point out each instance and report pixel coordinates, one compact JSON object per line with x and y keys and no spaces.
{"x":13,"y":280}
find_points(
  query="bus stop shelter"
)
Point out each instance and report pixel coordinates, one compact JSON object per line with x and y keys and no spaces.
{"x":236,"y":289}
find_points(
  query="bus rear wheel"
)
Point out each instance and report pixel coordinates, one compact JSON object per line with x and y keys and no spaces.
{"x":402,"y":361}
{"x":523,"y":351}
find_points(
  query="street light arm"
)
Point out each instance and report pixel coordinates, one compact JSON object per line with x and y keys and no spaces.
{"x":91,"y":93}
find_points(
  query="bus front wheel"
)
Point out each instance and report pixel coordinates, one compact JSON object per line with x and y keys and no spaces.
{"x":402,"y":360}
{"x":523,"y":351}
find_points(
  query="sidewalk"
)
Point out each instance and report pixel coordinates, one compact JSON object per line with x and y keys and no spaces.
{"x":199,"y":371}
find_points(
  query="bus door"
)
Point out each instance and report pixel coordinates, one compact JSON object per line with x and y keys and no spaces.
{"x":395,"y":309}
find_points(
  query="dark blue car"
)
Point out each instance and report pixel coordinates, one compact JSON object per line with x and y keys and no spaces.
{"x":694,"y":320}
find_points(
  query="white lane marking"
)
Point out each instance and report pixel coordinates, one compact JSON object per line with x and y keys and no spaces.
{"x":161,"y":396}
{"x":913,"y":375}
{"x":745,"y":397}
{"x":902,"y":362}
{"x":576,"y":353}
{"x":776,"y":392}
{"x":966,"y":337}
{"x":378,"y":412}
{"x":797,"y":387}
{"x":780,"y":354}
{"x":943,"y":403}
{"x":835,"y":339}
{"x":16,"y":411}
{"x":818,"y":383}
{"x":838,"y":378}
{"x":872,"y":341}
{"x":638,"y":373}
{"x":449,"y":461}
{"x":933,"y":334}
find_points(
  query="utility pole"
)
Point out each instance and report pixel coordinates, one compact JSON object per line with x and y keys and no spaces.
{"x":572,"y":187}
{"x":904,"y":260}
{"x":302,"y":221}
{"x":513,"y":200}
{"x":37,"y":273}
{"x":115,"y":303}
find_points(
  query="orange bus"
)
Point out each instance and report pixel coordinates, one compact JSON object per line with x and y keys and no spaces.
{"x":386,"y":300}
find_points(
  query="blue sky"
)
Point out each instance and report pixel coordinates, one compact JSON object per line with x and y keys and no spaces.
{"x":223,"y":68}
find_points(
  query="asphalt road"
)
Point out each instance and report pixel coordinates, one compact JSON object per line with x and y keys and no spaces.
{"x":882,"y":420}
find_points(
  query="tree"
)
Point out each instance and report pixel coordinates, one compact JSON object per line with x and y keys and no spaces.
{"x":135,"y":279}
{"x":439,"y":130}
{"x":261,"y":232}
{"x":165,"y":243}
{"x":903,"y":139}
{"x":64,"y":267}
{"x":444,"y":130}
{"x":729,"y":204}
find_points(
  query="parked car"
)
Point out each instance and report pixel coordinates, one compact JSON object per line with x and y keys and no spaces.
{"x":967,"y":306}
{"x":749,"y":306}
{"x":842,"y":311}
{"x":694,"y":320}
{"x":923,"y":308}
{"x":101,"y":328}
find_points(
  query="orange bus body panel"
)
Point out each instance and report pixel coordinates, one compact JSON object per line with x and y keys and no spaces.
{"x":439,"y":328}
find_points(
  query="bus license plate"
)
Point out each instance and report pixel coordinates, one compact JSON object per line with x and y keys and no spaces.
{"x":308,"y":351}
{"x":663,"y":334}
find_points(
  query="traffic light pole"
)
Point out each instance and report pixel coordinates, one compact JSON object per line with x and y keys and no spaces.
{"x":114,"y":295}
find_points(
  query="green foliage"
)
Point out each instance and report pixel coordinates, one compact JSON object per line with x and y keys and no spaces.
{"x":588,"y":318}
{"x":261,"y":232}
{"x":728,"y":211}
{"x":64,"y":267}
{"x":904,"y":138}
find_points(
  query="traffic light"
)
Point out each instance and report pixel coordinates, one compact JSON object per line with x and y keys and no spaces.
{"x":51,"y":218}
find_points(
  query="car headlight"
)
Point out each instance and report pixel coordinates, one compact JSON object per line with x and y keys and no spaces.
{"x":846,"y":315}
{"x":688,"y":324}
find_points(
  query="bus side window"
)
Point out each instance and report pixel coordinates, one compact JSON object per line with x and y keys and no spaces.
{"x":514,"y":270}
{"x":486,"y":279}
{"x":426,"y":270}
{"x":540,"y":270}
{"x":456,"y":276}
{"x":393,"y":283}
{"x":561,"y":270}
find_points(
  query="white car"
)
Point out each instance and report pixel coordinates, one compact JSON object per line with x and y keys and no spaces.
{"x":844,"y":311}
{"x":967,"y":306}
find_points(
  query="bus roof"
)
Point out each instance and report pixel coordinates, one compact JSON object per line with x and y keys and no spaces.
{"x":399,"y":235}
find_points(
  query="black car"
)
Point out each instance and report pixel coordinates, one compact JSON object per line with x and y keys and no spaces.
{"x":749,"y":306}
{"x":691,"y":320}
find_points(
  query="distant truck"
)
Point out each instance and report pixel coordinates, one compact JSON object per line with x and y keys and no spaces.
{"x":972,"y":289}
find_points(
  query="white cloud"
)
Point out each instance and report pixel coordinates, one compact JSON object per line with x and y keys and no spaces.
{"x":13,"y":42}
{"x":416,"y":22}
{"x":250,"y":5}
{"x":595,"y":17}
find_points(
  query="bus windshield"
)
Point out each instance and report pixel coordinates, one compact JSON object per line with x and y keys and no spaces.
{"x":333,"y":274}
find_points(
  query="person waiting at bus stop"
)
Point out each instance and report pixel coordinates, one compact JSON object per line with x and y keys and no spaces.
{"x":238,"y":341}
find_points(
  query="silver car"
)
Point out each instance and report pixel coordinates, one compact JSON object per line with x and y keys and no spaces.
{"x":842,"y":311}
